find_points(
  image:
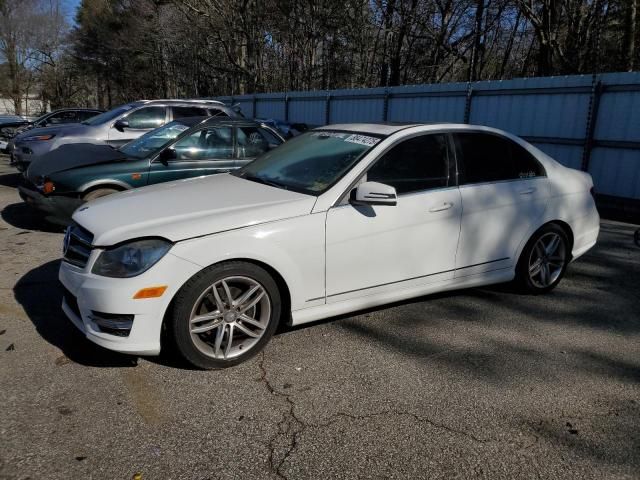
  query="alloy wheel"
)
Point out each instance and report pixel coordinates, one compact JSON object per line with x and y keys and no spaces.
{"x":230,"y":317}
{"x":547,"y":260}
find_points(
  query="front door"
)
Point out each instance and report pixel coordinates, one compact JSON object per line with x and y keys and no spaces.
{"x":204,"y":152}
{"x":373,"y":249}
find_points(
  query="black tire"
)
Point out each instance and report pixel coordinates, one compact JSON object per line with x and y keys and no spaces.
{"x":178,"y":321}
{"x":97,"y":193}
{"x":531,"y":284}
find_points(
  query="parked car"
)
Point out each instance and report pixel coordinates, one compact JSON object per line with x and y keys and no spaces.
{"x":9,"y":129}
{"x":115,"y":127}
{"x":338,"y":219}
{"x":60,"y":181}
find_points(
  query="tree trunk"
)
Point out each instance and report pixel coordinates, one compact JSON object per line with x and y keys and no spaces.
{"x":630,"y":35}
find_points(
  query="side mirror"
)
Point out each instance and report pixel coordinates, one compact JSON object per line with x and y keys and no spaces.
{"x":373,"y":193}
{"x":167,"y":154}
{"x":120,"y":125}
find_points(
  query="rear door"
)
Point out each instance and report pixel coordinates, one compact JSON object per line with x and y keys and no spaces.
{"x":504,"y":192}
{"x":203,"y":152}
{"x":140,"y":121}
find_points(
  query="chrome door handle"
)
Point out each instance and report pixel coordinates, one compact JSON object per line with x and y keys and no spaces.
{"x":444,"y":206}
{"x":528,"y":191}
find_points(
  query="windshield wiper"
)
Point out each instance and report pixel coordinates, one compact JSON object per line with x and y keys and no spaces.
{"x":271,"y":183}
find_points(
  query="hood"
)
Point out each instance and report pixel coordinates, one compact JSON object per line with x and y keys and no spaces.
{"x":72,"y":155}
{"x":64,"y":130}
{"x":188,"y":208}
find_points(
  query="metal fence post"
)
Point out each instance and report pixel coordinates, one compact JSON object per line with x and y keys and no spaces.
{"x":327,"y":110}
{"x":592,"y":120}
{"x":467,"y":104}
{"x":385,"y":106}
{"x":286,"y":108}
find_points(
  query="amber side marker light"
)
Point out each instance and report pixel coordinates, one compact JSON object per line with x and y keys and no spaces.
{"x":48,"y":188}
{"x":150,"y":292}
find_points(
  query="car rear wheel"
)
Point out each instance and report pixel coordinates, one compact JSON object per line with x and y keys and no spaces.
{"x":225,"y":315}
{"x":97,"y":193}
{"x":544,"y":260}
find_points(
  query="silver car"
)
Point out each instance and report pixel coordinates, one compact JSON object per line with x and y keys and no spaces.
{"x":115,"y":127}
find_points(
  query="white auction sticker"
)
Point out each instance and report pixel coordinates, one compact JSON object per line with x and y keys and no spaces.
{"x":329,"y":134}
{"x":362,"y":140}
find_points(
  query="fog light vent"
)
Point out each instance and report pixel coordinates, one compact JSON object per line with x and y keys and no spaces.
{"x":113,"y":323}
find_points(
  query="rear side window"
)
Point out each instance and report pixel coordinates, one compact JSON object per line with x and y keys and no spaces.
{"x":420,"y":163}
{"x":489,"y":158}
{"x":214,"y":112}
{"x":147,"y":117}
{"x":181,"y":112}
{"x":254,"y":141}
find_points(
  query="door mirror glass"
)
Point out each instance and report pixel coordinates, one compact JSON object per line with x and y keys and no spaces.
{"x":373,"y":193}
{"x":120,"y":125}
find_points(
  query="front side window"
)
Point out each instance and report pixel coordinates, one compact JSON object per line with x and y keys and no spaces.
{"x":484,"y":157}
{"x":310,"y":163}
{"x":147,"y":117}
{"x":205,"y":144}
{"x":254,"y":141}
{"x":419,"y":163}
{"x":110,"y":115}
{"x":61,"y":117}
{"x":153,"y":141}
{"x":86,"y":114}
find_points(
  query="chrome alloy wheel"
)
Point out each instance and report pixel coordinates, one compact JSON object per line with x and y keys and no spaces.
{"x":230,"y":317}
{"x":547,"y":260}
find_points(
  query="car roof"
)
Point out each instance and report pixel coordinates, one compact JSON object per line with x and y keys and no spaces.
{"x":191,"y":121}
{"x":386,"y":128}
{"x":391,"y":128}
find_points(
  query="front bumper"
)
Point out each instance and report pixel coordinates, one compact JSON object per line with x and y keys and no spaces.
{"x":57,"y":208}
{"x":93,"y":293}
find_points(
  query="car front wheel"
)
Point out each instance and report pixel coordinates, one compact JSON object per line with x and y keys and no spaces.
{"x":225,"y":314}
{"x":544,"y":260}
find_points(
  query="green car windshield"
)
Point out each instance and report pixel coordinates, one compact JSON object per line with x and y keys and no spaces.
{"x":151,"y":142}
{"x":310,"y":163}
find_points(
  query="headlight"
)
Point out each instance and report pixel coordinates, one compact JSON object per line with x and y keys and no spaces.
{"x":131,"y":259}
{"x":33,"y":138}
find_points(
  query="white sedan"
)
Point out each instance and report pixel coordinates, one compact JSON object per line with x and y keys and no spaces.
{"x":341,"y":218}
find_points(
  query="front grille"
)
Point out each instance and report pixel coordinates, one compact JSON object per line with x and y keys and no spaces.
{"x":71,"y":301}
{"x":77,"y":246}
{"x":113,"y":323}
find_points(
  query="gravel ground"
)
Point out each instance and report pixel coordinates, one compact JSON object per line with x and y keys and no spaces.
{"x":482,"y":383}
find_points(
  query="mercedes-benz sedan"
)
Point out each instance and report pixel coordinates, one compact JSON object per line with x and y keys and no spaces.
{"x":339,"y":219}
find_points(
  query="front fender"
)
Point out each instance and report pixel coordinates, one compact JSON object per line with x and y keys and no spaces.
{"x":294,"y":247}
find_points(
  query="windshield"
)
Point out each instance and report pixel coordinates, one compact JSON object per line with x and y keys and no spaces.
{"x":110,"y":115}
{"x":152,"y":141}
{"x":310,"y":163}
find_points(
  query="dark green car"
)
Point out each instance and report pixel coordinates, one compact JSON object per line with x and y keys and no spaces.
{"x":59,"y":182}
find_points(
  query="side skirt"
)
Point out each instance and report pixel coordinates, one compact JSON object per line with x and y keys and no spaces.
{"x":370,"y":300}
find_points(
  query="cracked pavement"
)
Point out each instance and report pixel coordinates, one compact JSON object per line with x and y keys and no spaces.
{"x":482,"y":383}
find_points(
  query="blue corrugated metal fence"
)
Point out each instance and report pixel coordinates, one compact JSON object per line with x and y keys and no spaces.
{"x":585,"y":122}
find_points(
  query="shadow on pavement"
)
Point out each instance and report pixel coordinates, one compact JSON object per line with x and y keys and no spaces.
{"x":25,"y":217}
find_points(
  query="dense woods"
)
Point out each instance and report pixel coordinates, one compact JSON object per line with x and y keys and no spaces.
{"x":111,"y":51}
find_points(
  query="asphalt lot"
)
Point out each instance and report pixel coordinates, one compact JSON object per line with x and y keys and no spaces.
{"x":482,"y":383}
